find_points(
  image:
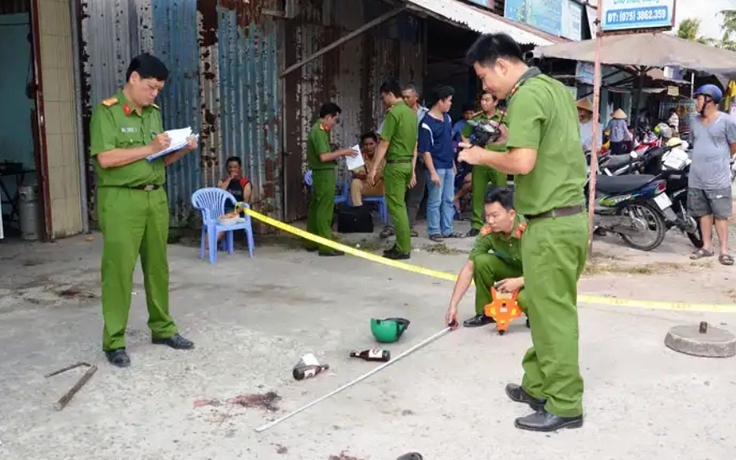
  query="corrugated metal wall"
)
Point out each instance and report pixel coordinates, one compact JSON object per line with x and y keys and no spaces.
{"x":224,"y":83}
{"x":349,"y":75}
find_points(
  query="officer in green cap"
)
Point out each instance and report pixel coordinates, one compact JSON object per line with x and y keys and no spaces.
{"x":545,"y":155}
{"x":482,"y":175}
{"x":494,"y":260}
{"x":322,"y":161}
{"x":132,"y":206}
{"x":399,"y":147}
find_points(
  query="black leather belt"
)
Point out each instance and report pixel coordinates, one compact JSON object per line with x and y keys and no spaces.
{"x":558,"y":212}
{"x":399,"y":160}
{"x":147,"y":188}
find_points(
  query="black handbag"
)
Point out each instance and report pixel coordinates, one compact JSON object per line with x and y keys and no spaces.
{"x":354,"y":219}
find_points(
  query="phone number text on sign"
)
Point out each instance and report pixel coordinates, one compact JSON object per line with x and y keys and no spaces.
{"x":637,"y":18}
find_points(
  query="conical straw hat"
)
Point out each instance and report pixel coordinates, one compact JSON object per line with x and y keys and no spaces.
{"x":584,"y":104}
{"x":619,"y":114}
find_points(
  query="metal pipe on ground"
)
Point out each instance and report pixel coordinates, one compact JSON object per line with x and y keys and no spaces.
{"x":355,"y":381}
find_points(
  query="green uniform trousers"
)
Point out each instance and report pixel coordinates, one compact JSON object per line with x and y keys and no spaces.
{"x":134,"y":222}
{"x":322,"y":206}
{"x":479,"y":179}
{"x":396,"y":178}
{"x":488,"y":270}
{"x":554,"y":251}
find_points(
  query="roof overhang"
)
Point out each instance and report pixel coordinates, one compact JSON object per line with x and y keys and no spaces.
{"x":482,"y":21}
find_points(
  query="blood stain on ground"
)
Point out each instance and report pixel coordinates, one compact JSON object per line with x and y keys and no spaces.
{"x":342,"y":456}
{"x":265,"y":401}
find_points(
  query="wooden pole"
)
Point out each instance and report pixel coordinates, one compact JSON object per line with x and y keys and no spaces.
{"x":596,"y":124}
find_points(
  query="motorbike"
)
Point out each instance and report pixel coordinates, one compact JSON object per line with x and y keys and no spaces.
{"x":632,"y":206}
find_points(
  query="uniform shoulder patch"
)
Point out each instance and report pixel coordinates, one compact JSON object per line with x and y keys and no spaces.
{"x":520,"y":230}
{"x":110,"y":101}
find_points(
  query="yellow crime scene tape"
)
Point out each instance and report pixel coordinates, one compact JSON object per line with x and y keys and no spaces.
{"x":588,"y":299}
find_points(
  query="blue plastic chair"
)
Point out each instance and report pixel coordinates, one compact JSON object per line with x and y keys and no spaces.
{"x":211,"y":203}
{"x":382,"y":209}
{"x":342,"y":197}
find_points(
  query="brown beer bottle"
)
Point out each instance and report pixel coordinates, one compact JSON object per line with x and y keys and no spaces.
{"x":309,"y":371}
{"x":374,"y":354}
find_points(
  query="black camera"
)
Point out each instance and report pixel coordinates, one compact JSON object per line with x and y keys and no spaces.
{"x":484,"y":133}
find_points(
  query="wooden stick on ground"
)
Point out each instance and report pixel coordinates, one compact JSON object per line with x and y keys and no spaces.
{"x":64,"y":400}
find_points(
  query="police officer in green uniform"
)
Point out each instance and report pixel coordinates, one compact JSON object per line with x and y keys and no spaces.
{"x":545,"y":155}
{"x":322,"y":161}
{"x":132,"y":206}
{"x":482,"y":175}
{"x":399,"y":147}
{"x":494,"y":260}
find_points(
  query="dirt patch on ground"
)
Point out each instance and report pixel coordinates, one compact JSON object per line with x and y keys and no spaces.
{"x":601,"y":264}
{"x":442,"y":248}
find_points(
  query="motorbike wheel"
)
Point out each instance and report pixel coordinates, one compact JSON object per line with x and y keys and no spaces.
{"x":696,"y":238}
{"x":660,"y":227}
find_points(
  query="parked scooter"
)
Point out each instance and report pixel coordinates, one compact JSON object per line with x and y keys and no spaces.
{"x":632,"y":206}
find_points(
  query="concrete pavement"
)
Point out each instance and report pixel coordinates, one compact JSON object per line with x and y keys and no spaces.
{"x":253,"y":318}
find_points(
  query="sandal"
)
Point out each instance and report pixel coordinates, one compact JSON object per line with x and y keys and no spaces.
{"x":436,"y":238}
{"x":454,"y":235}
{"x":414,"y":233}
{"x":386,"y":232}
{"x":725,"y":259}
{"x":701,"y":253}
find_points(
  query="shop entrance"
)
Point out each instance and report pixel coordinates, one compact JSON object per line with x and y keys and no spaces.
{"x":19,"y":137}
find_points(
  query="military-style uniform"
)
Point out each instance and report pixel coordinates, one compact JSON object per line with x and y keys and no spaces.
{"x":482,"y":174}
{"x":324,"y":181}
{"x":542,"y":116}
{"x":400,"y":131}
{"x":133,"y":213}
{"x":496,"y":257}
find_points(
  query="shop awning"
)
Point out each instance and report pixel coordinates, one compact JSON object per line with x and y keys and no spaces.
{"x":482,"y":21}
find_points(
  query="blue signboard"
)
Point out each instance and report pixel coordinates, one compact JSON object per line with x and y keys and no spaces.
{"x":557,"y":17}
{"x":637,"y":14}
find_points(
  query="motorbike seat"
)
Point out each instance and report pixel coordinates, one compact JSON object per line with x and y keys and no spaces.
{"x":614,"y":185}
{"x":618,"y":161}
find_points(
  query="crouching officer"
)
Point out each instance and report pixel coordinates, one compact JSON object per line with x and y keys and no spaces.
{"x":495,"y":259}
{"x":132,"y":206}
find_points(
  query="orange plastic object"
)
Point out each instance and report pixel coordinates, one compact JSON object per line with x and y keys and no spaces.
{"x":503,"y":309}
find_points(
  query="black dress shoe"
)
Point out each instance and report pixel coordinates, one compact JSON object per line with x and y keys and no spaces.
{"x":478,"y":321}
{"x":396,"y":255}
{"x":118,"y":357}
{"x":517,"y":394}
{"x":331,"y":253}
{"x":391,"y":249}
{"x":176,"y":342}
{"x":545,"y":422}
{"x":472,"y":233}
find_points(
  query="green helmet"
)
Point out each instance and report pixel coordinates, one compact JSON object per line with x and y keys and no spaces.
{"x":388,"y":330}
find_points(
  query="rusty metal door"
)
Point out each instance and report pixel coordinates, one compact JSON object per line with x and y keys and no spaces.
{"x":39,"y":130}
{"x":295,"y":203}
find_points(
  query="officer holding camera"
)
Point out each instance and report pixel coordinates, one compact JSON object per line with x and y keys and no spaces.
{"x":482,"y":175}
{"x":545,"y":155}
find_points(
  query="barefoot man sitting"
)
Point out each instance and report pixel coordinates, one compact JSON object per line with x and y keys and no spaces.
{"x":494,"y":260}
